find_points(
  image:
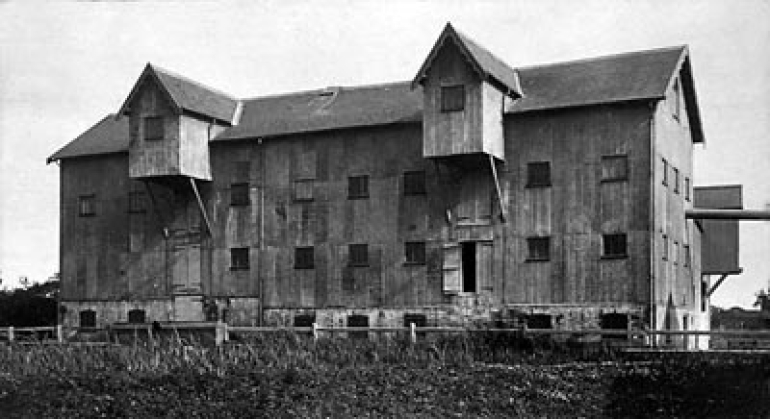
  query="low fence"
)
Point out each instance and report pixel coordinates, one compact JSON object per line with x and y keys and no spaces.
{"x":220,"y":332}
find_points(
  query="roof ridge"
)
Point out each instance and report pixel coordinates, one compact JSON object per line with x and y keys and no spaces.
{"x":326,"y":89}
{"x":174,"y":74}
{"x":603,"y":57}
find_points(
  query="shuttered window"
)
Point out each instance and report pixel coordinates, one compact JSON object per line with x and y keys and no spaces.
{"x":358,"y":187}
{"x":358,"y":255}
{"x":676,"y":180}
{"x":538,"y":174}
{"x":304,"y":258}
{"x":239,"y":258}
{"x":153,"y":128}
{"x":451,"y":268}
{"x":414,"y":183}
{"x":239,"y":194}
{"x":303,"y":189}
{"x":538,"y":248}
{"x":87,"y":205}
{"x":415,"y":253}
{"x":614,"y":245}
{"x":614,"y":168}
{"x":665,"y":247}
{"x":665,"y":172}
{"x":452,"y":98}
{"x":687,"y":188}
{"x":687,"y":256}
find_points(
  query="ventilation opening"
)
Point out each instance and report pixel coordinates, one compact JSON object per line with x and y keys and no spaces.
{"x":469,"y":266}
{"x":539,"y":321}
{"x":87,"y":318}
{"x":304,"y":320}
{"x":358,"y":320}
{"x":136,"y":316}
{"x":614,"y":321}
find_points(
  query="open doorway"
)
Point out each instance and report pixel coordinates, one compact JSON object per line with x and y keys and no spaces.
{"x":469,"y":266}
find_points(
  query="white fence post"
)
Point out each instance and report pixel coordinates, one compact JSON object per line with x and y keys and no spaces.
{"x":59,"y":333}
{"x":10,"y":334}
{"x":315,"y":331}
{"x":413,"y":332}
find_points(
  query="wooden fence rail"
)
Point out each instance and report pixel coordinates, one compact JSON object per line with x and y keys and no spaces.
{"x":222,"y":331}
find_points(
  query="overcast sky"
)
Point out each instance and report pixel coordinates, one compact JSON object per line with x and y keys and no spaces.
{"x":64,"y":66}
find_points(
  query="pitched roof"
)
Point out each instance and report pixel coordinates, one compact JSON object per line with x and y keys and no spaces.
{"x":326,"y":109}
{"x":613,"y":78}
{"x":643,"y":75}
{"x":484,"y":62}
{"x":110,"y":135}
{"x":188,"y":95}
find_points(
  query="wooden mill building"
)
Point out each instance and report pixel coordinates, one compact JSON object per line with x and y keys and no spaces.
{"x":476,"y":193}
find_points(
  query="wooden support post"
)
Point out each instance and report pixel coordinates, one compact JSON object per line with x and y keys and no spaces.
{"x":715,"y":286}
{"x":315,"y":331}
{"x":201,"y":207}
{"x":497,"y":188}
{"x":10,"y":334}
{"x":220,"y":335}
{"x":413,"y":333}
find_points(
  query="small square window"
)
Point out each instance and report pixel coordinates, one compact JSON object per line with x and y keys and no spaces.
{"x":87,"y":318}
{"x":614,"y":168}
{"x":239,"y":194}
{"x":239,"y":259}
{"x":358,"y":187}
{"x":452,"y":98}
{"x":414,"y":183}
{"x":304,"y":258}
{"x":538,"y":248}
{"x":615,"y":245}
{"x":676,"y":180}
{"x":153,"y":128}
{"x":665,"y":172}
{"x":136,"y":202}
{"x":415,"y":253}
{"x":538,"y":174}
{"x":87,"y":205}
{"x":358,"y":255}
{"x":303,"y":189}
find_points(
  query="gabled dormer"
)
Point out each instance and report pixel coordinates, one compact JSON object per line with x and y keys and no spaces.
{"x":464,"y":92}
{"x":171,"y":121}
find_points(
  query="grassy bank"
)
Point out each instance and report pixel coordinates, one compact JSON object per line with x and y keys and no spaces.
{"x":285,"y":376}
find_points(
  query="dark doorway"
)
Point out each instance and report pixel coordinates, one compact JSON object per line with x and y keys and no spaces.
{"x":469,"y":266}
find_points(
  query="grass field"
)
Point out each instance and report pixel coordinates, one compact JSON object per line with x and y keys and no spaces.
{"x":286,"y":376}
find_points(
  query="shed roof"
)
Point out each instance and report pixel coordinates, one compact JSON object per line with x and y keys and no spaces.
{"x":643,"y":75}
{"x":110,"y":135}
{"x":187,"y":95}
{"x":484,"y":62}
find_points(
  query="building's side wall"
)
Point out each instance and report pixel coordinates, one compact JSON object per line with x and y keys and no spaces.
{"x":153,"y":157}
{"x":93,"y":247}
{"x":578,"y":209}
{"x":677,"y":281}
